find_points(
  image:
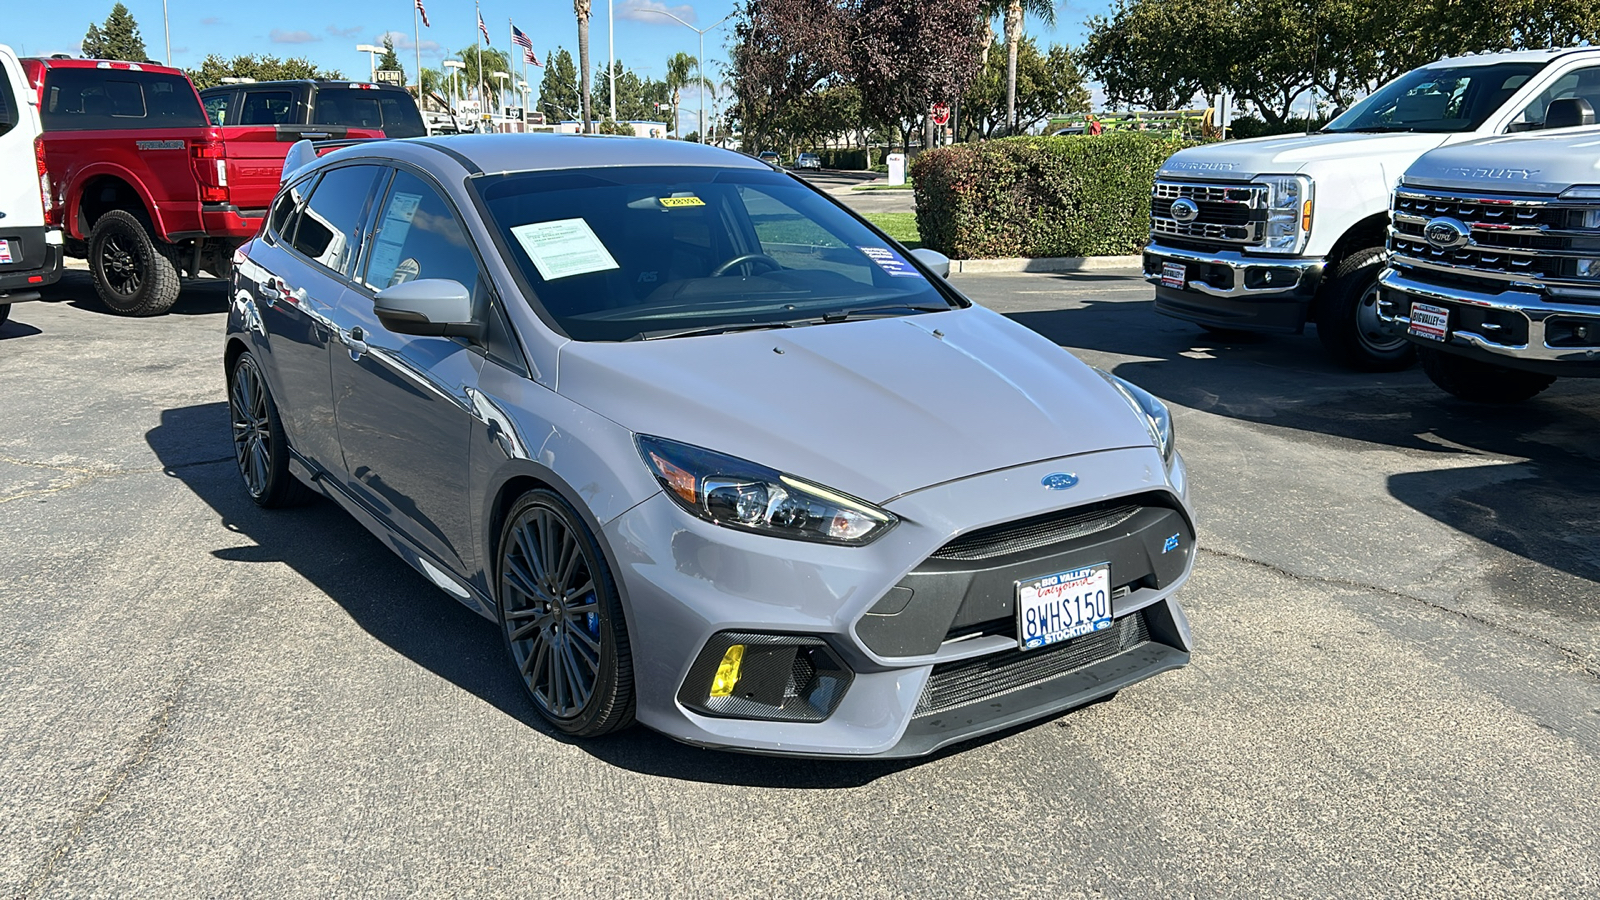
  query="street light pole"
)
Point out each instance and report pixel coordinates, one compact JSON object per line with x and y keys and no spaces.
{"x":166,"y":26}
{"x":372,"y":51}
{"x":702,"y":62}
{"x":611,"y":50}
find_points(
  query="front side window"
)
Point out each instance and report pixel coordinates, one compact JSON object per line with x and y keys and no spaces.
{"x":416,"y":235}
{"x":326,"y":231}
{"x":267,"y":108}
{"x":1583,"y":83}
{"x":1441,"y":100}
{"x":217,"y":107}
{"x":623,"y":253}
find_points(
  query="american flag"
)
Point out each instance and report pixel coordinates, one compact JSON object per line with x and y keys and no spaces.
{"x":527,"y":56}
{"x":483,"y":28}
{"x":423,"y":10}
{"x":518,"y":38}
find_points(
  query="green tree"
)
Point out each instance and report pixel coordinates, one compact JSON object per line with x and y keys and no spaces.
{"x":1012,"y":12}
{"x":481,"y":64}
{"x":1046,"y":84}
{"x":389,"y":61}
{"x":682,"y":71}
{"x":118,"y":38}
{"x":636,"y":97}
{"x":580,"y":9}
{"x":558,"y":90}
{"x":261,"y":68}
{"x":906,"y":55}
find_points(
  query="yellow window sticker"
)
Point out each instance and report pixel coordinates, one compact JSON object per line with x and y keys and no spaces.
{"x":674,"y":202}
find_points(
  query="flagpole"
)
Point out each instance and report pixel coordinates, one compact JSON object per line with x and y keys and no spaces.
{"x":611,"y":49}
{"x":477,"y":41}
{"x":416,"y":28}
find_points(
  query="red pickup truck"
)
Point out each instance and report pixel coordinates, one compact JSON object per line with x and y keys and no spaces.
{"x":142,"y":183}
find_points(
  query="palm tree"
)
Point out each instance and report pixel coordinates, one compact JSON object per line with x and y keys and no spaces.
{"x":1012,"y":10}
{"x":680,"y":74}
{"x":580,"y":8}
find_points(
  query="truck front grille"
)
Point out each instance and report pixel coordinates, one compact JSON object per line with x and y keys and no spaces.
{"x":1230,"y":214}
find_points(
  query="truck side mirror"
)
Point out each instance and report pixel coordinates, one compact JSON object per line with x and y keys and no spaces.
{"x":1568,"y":112}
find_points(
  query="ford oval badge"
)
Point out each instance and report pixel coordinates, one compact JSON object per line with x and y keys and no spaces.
{"x":1059,"y":481}
{"x":1184,"y":211}
{"x":1446,"y":234}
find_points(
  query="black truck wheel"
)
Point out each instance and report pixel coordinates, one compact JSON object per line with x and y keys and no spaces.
{"x":1480,"y":382}
{"x":133,"y":274}
{"x":1347,"y":317}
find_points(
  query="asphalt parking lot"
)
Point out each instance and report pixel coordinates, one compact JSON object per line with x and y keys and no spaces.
{"x":1395,"y":690}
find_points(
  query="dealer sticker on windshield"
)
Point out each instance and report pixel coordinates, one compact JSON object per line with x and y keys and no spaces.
{"x":1063,"y":606}
{"x":564,"y":247}
{"x":890,"y":262}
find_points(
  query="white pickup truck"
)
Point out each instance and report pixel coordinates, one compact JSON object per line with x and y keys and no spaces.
{"x":1495,"y":265}
{"x":30,"y":253}
{"x":1267,"y":234}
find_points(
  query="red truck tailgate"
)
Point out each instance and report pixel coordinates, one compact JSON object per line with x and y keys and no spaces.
{"x":255,"y":157}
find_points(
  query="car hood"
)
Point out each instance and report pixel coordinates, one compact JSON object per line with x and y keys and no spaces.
{"x":1291,"y":154}
{"x":1534,"y":162}
{"x":874,"y":408}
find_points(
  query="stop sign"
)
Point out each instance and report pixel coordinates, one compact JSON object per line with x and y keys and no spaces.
{"x":941,"y":114}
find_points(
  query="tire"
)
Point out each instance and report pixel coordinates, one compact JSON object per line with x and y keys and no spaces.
{"x":260,"y":448}
{"x":1481,"y":382}
{"x":1347,"y":317}
{"x":568,"y":645}
{"x":134,"y":274}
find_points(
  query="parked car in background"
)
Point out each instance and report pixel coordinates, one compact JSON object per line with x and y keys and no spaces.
{"x":1271,"y":233}
{"x":770,"y":157}
{"x":564,"y":379}
{"x":316,"y":109}
{"x":808,"y":161}
{"x":1494,"y":271}
{"x":140,"y":182}
{"x":30,"y":250}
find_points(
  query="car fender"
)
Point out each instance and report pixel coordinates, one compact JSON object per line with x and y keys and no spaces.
{"x":82,"y":177}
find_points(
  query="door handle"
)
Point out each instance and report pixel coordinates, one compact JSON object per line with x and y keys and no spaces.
{"x":356,"y":340}
{"x":317,"y":135}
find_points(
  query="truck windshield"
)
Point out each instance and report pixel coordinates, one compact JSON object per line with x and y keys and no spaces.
{"x":629,"y":253}
{"x":1452,"y":99}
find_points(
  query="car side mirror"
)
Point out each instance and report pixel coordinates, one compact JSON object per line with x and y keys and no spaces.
{"x":933,"y":259}
{"x":1568,"y":112}
{"x":432,"y":307}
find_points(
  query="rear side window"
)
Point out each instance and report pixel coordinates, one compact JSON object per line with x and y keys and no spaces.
{"x":218,"y":106}
{"x":102,"y":99}
{"x":267,"y":108}
{"x":281,"y":221}
{"x":326,"y":231}
{"x":9,"y":114}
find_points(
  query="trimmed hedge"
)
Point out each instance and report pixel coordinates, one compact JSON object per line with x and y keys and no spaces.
{"x":1039,"y":196}
{"x":842,"y":159}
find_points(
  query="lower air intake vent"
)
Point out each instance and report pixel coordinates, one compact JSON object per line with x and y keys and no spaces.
{"x":957,"y":684}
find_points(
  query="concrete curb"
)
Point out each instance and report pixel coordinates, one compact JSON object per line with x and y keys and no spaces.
{"x":1045,"y":264}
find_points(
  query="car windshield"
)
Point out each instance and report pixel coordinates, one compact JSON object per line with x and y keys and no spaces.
{"x":1452,"y":99}
{"x":643,"y":252}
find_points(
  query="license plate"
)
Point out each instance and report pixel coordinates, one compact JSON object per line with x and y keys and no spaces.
{"x":5,"y":253}
{"x":1431,"y":322}
{"x":1172,"y":275}
{"x":1063,"y":606}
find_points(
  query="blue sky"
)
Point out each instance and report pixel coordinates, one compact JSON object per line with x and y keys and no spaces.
{"x":328,"y":33}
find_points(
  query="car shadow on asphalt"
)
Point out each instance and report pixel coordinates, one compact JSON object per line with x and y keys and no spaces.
{"x":12,"y":328}
{"x":397,"y":606}
{"x":198,"y":297}
{"x":1534,"y":501}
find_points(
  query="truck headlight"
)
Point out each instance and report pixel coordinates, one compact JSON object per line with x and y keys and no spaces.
{"x":1289,"y":205}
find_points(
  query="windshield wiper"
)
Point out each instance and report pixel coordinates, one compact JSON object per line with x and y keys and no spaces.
{"x":878,"y":312}
{"x":713,"y":329}
{"x":1370,"y":129}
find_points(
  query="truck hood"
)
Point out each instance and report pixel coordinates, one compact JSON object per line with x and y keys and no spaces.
{"x":1294,"y":153}
{"x":1533,"y":162}
{"x":875,"y":408}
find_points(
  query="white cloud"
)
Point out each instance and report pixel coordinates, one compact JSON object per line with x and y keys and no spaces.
{"x":404,"y":43}
{"x":345,"y":32}
{"x":211,"y":20}
{"x":648,"y":11}
{"x":279,"y":36}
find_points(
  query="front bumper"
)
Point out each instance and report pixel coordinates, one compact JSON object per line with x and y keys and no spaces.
{"x":37,"y":258}
{"x":685,"y":581}
{"x":1516,"y":328}
{"x":1227,"y":289}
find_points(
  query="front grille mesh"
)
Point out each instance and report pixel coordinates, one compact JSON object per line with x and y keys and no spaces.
{"x":958,"y":684}
{"x":1040,"y":531}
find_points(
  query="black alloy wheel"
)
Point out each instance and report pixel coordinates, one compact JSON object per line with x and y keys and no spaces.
{"x":562,"y":619}
{"x":260,"y":447}
{"x":133,"y":273}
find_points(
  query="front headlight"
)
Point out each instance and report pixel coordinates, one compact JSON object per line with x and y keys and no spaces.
{"x":1157,"y":418}
{"x":739,"y":494}
{"x":1289,"y":205}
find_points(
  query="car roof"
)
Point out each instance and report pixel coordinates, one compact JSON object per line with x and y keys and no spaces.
{"x":314,"y":82}
{"x":1510,"y":56}
{"x":51,"y":62}
{"x":496,"y":153}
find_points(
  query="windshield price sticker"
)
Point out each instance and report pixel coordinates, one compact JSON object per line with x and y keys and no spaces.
{"x":1431,"y":322}
{"x":563,"y":248}
{"x":890,"y":262}
{"x":1063,"y":606}
{"x":681,"y":202}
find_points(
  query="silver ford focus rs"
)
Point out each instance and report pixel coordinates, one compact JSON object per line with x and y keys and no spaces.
{"x":714,"y":453}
